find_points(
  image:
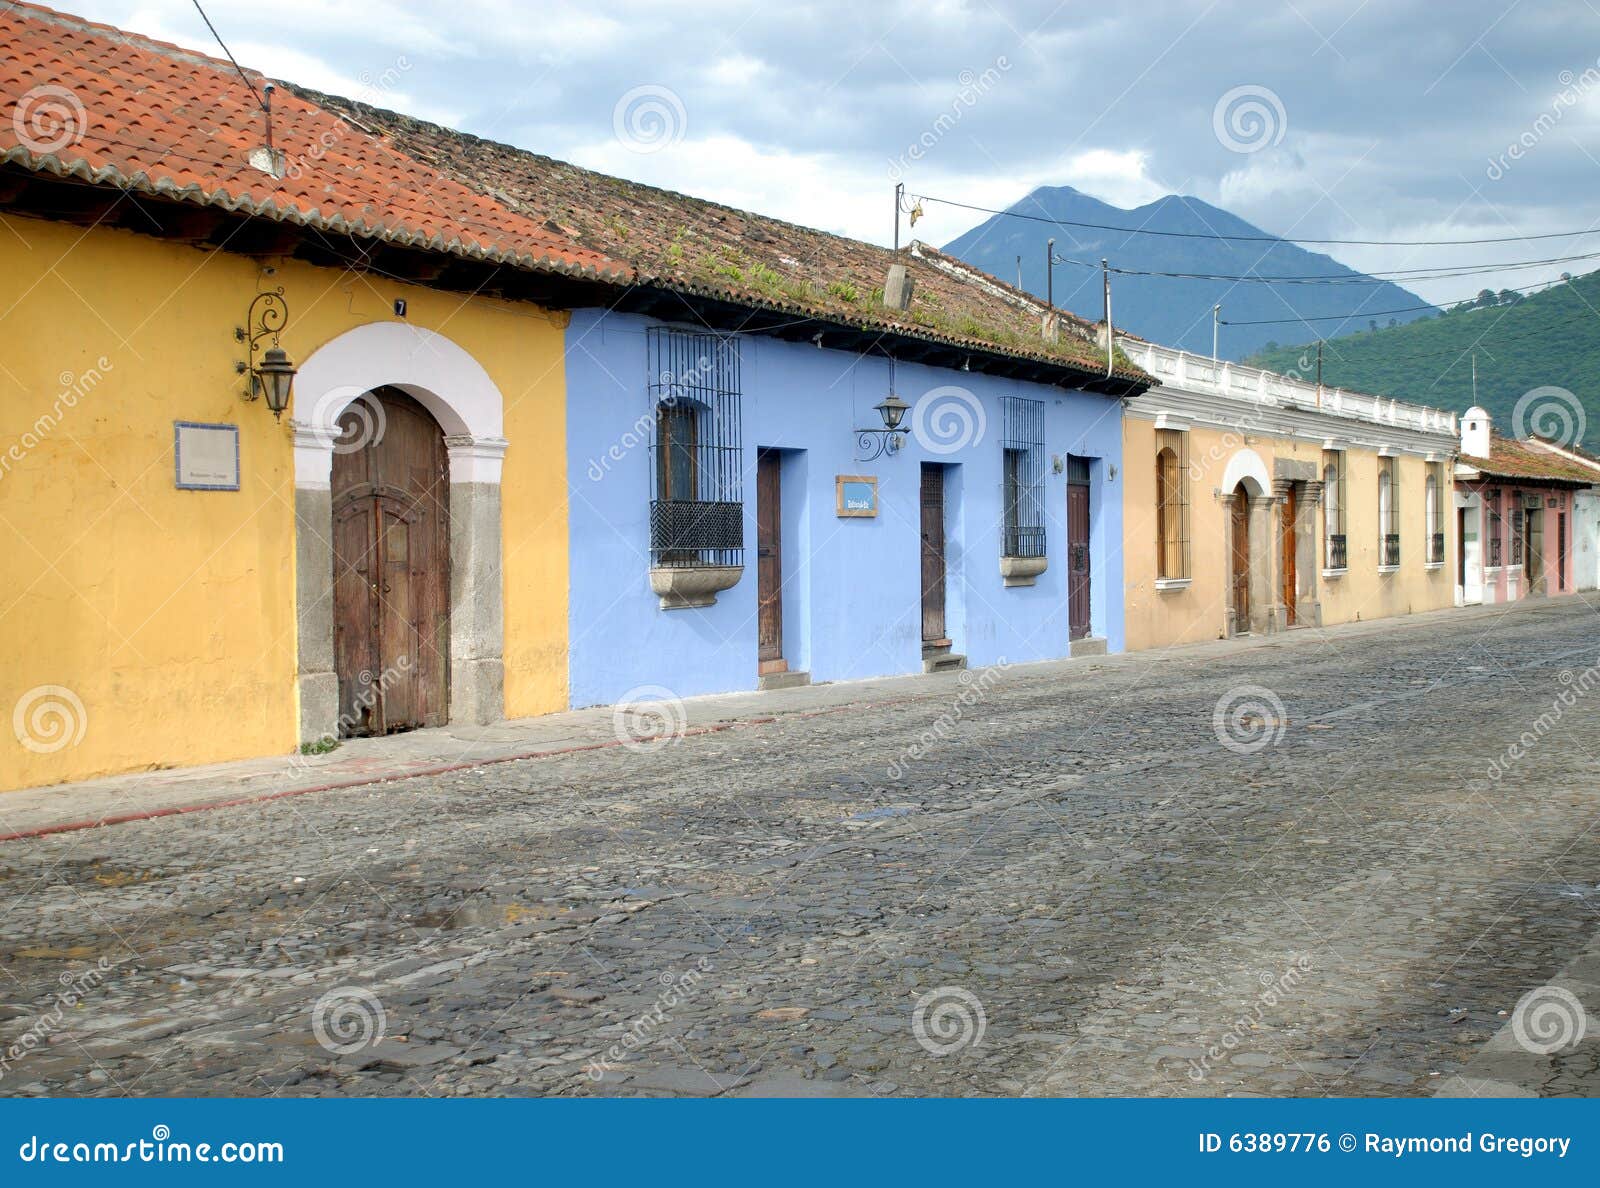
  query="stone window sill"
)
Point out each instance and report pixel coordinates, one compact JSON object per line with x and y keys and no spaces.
{"x":1434,"y":565}
{"x":1388,"y":569}
{"x":692,"y":586}
{"x":1163,"y":584}
{"x":1022,"y":571}
{"x":1336,"y":573}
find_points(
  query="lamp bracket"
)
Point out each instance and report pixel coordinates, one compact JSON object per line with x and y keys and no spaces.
{"x":875,"y":443}
{"x":268,"y":315}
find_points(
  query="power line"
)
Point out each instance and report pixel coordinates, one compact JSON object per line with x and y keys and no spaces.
{"x":1259,"y":238}
{"x":229,"y":53}
{"x":1373,"y":313}
{"x":1386,"y":276}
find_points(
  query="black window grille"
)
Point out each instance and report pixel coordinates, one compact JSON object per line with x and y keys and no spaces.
{"x":1022,"y":459}
{"x":1391,"y":548}
{"x":1496,"y":531}
{"x":1519,"y":526}
{"x":1389,"y":511}
{"x":1436,"y":548}
{"x":696,"y":462}
{"x":1333,"y":507}
{"x":1338,"y":556}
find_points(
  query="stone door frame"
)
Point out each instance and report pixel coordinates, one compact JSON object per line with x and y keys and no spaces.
{"x":456,"y":390}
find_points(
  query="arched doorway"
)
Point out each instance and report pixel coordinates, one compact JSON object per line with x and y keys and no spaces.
{"x":1239,"y":557}
{"x":391,"y":566}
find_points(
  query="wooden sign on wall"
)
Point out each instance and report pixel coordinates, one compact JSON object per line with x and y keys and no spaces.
{"x":856,"y":494}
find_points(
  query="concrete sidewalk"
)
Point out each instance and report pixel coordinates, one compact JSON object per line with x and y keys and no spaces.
{"x":357,"y":762}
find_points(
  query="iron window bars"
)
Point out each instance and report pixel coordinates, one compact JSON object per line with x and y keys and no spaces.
{"x":1519,"y":528}
{"x":1496,"y":531}
{"x":1022,"y":457}
{"x":1436,"y":548}
{"x":696,"y":450}
{"x":1389,"y":511}
{"x":1333,"y":508}
{"x":1172,"y":504}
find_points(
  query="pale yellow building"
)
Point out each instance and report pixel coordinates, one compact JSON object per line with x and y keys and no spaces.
{"x":1257,"y":502}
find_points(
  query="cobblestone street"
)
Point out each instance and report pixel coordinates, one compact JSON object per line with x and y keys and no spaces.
{"x":1320,"y":865}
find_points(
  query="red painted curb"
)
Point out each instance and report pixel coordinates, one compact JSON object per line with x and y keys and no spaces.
{"x":368,"y":781}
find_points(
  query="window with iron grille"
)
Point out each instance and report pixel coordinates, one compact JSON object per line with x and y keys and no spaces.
{"x":1435,"y":521}
{"x":1496,"y":530}
{"x":1172,"y":503}
{"x":1022,"y":465}
{"x":696,"y":471}
{"x":1333,"y":508}
{"x":1519,"y":526}
{"x":1388,"y":513}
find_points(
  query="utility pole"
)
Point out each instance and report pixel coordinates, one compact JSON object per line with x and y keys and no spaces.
{"x":1019,"y":272}
{"x":1474,"y":379}
{"x":1050,"y":273}
{"x":1216,"y":316}
{"x":899,"y":195}
{"x":1105,"y":283}
{"x":1319,"y":373}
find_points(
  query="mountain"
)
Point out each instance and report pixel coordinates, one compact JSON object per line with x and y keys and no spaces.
{"x":1174,"y":312}
{"x":1547,"y":339}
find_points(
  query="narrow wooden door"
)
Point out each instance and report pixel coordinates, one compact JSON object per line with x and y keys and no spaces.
{"x":1461,"y":549}
{"x":391,"y":562}
{"x":1241,"y":561}
{"x":933,"y":626}
{"x":1077,"y":560}
{"x":1291,"y":585}
{"x":769,"y":562}
{"x":1561,"y":552}
{"x":1533,"y":549}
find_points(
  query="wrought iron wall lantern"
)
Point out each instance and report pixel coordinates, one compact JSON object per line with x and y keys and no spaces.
{"x":272,"y":374}
{"x":875,"y":443}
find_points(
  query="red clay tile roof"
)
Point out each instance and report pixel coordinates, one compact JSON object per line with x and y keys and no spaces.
{"x":1514,"y":459}
{"x":84,"y":100}
{"x":699,"y":247}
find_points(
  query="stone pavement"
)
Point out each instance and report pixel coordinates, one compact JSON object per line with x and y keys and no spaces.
{"x":1357,"y":861}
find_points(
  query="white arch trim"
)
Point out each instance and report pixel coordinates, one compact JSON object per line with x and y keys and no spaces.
{"x":1247,"y":467}
{"x":426,"y":365}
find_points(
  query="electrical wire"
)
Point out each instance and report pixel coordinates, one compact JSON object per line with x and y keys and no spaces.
{"x":1386,"y":276}
{"x":229,"y":53}
{"x":1259,"y":238}
{"x":1372,"y":313}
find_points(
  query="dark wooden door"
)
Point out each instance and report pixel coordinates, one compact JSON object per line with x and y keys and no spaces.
{"x":1561,"y":551}
{"x":1291,"y":583}
{"x":1241,"y":561}
{"x":933,"y":626}
{"x":1077,"y":560}
{"x":1461,"y":549}
{"x":769,"y":561}
{"x":391,"y":565}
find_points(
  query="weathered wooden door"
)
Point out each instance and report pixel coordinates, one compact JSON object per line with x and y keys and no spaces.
{"x":769,"y":562}
{"x":1240,"y":561}
{"x":1561,"y":552}
{"x":391,"y":564}
{"x":1077,"y":559}
{"x":1291,"y":584}
{"x":933,"y":626}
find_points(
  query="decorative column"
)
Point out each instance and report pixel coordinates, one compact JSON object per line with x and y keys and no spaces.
{"x":1280,"y":500}
{"x":477,"y":602}
{"x":1309,"y":553}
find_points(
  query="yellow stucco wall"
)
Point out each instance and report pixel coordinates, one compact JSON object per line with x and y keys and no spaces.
{"x":1199,"y":612}
{"x":168,"y":615}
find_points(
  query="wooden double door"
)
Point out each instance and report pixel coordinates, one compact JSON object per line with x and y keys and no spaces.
{"x":391,"y":566}
{"x":1077,"y":549}
{"x":769,"y":562}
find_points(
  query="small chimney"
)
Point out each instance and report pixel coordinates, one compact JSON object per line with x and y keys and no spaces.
{"x":897,"y":288}
{"x":1052,"y":327}
{"x":1475,"y":426}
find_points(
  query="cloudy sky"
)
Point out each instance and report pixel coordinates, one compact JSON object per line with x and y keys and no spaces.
{"x":1381,"y":121}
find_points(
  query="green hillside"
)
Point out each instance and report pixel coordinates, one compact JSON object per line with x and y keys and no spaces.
{"x":1547,"y":338}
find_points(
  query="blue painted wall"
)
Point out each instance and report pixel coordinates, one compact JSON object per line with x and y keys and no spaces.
{"x":852,"y":592}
